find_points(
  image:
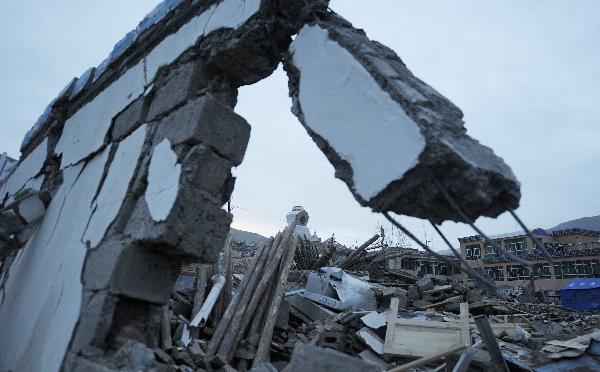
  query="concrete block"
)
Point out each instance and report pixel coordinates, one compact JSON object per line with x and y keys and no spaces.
{"x":144,"y":274}
{"x":421,"y":303}
{"x":129,"y":119}
{"x":176,"y":87}
{"x":334,"y":340}
{"x":32,"y":209}
{"x":312,"y":310}
{"x":424,"y":284}
{"x":95,"y":320}
{"x":10,"y":223}
{"x":77,"y":363}
{"x":206,"y":120}
{"x":206,"y":170}
{"x":316,"y":359}
{"x":196,"y":229}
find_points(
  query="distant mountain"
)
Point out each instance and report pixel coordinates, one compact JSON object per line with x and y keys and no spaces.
{"x":587,"y":223}
{"x":242,"y":236}
{"x":445,"y":252}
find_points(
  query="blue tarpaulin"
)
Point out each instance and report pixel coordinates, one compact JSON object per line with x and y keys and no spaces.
{"x":581,"y":294}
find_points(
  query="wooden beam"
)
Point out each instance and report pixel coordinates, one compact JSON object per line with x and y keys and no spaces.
{"x":390,"y":333}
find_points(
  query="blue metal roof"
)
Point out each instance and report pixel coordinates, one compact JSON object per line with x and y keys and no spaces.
{"x":586,"y":283}
{"x":539,"y":232}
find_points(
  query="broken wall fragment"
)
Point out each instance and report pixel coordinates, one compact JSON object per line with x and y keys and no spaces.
{"x":389,"y":135}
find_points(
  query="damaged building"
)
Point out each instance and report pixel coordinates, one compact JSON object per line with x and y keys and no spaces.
{"x":123,"y":178}
{"x":575,"y":253}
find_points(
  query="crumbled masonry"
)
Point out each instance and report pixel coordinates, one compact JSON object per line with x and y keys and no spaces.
{"x":124,"y":176}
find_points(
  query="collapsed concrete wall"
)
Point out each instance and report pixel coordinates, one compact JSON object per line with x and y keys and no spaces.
{"x":390,"y":136}
{"x":123,"y":177}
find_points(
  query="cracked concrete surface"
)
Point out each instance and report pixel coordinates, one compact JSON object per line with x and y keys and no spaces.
{"x":133,"y":162}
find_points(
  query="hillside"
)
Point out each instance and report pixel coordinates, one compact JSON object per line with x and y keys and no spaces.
{"x":587,"y":223}
{"x":242,"y":236}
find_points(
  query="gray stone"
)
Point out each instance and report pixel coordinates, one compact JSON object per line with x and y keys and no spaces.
{"x":424,"y":284}
{"x":421,"y":303}
{"x":95,"y":320}
{"x":176,"y":87}
{"x":134,"y":356}
{"x":129,"y":119}
{"x":10,"y":223}
{"x":206,"y":120}
{"x":479,"y":181}
{"x":196,"y":228}
{"x":402,"y":302}
{"x":206,"y":170}
{"x":316,"y":359}
{"x":78,"y":363}
{"x":144,"y":274}
{"x":264,"y":367}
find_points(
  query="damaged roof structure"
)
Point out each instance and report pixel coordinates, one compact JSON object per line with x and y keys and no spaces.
{"x":123,"y":178}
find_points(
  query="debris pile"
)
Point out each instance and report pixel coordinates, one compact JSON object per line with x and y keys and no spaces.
{"x":280,"y":317}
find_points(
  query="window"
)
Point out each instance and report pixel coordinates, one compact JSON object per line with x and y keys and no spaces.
{"x":517,"y":272}
{"x":491,"y":250}
{"x":408,"y":263}
{"x":457,"y":269}
{"x":473,"y":251}
{"x":577,"y":269}
{"x":565,"y":270}
{"x":426,"y":267}
{"x":440,"y":268}
{"x":494,"y":273}
{"x":542,"y":271}
{"x":595,"y":269}
{"x":584,"y":269}
{"x":517,"y":246}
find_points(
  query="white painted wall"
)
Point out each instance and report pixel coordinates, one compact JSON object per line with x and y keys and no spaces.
{"x":163,"y":181}
{"x":343,"y":104}
{"x":43,"y":291}
{"x":115,"y":186}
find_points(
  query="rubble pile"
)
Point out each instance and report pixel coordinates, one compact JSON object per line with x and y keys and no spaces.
{"x":327,"y":319}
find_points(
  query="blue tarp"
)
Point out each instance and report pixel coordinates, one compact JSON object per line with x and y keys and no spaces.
{"x":581,"y":294}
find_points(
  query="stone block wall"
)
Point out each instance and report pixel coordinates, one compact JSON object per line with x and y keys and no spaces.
{"x":123,"y":177}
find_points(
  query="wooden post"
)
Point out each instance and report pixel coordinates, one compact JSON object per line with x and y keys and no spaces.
{"x":262,"y":352}
{"x":487,"y":335}
{"x":166,"y":342}
{"x":230,"y":343}
{"x":356,"y":252}
{"x":465,"y":329}
{"x":231,"y":310}
{"x":390,"y":333}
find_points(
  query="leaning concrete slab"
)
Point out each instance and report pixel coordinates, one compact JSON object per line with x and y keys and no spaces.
{"x":391,"y":137}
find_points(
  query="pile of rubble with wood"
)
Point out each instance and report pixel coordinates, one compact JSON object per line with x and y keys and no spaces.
{"x":282,"y":317}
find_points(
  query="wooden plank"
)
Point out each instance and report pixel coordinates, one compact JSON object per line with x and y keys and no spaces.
{"x":390,"y":333}
{"x":428,"y":324}
{"x":465,"y":329}
{"x":420,"y":338}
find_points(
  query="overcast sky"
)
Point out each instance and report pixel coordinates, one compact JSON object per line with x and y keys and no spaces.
{"x":526,"y":74}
